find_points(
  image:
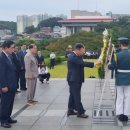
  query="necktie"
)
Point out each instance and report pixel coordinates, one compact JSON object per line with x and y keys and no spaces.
{"x":24,"y":52}
{"x":9,"y":58}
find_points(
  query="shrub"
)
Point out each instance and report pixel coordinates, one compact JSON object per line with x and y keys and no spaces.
{"x":58,"y":60}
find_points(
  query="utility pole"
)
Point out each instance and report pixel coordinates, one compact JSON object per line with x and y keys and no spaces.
{"x":96,"y":5}
{"x":77,"y":4}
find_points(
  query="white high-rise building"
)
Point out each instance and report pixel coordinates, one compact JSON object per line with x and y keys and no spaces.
{"x":25,"y":21}
{"x":36,"y":19}
{"x":22,"y":23}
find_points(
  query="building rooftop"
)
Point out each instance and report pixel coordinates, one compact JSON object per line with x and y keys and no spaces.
{"x":88,"y":19}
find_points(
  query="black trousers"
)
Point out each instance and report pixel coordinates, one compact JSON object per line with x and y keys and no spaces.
{"x":18,"y":78}
{"x":44,"y":76}
{"x":52,"y":63}
{"x":22,"y":80}
{"x":112,"y":74}
{"x":75,"y":97}
{"x":6,"y":106}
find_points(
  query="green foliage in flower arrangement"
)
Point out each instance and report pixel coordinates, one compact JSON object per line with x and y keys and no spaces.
{"x":103,"y":56}
{"x":101,"y":72}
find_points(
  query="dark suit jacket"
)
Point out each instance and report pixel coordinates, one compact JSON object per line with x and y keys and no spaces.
{"x":16,"y":61}
{"x":7,"y":73}
{"x":21,"y":56}
{"x":40,"y":59}
{"x":76,"y":68}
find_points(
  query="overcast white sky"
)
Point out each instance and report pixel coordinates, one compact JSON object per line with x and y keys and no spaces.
{"x":9,"y":9}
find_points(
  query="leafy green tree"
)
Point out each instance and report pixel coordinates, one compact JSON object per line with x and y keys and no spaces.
{"x":25,"y":41}
{"x":8,"y":25}
{"x":51,"y":22}
{"x":118,"y":28}
{"x":30,"y":29}
{"x":91,"y":40}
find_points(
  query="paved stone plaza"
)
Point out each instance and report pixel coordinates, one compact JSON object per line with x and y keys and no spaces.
{"x":50,"y":112}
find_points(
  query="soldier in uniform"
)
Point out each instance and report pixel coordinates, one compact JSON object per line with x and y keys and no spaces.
{"x":121,"y":64}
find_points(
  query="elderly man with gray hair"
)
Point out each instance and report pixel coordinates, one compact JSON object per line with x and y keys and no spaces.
{"x":31,"y":73}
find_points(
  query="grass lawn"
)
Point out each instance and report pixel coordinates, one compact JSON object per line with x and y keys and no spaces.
{"x":60,"y":71}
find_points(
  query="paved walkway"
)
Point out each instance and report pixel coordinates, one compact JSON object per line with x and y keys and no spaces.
{"x":50,"y":112}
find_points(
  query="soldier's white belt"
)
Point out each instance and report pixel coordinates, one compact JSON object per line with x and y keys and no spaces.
{"x":123,"y":71}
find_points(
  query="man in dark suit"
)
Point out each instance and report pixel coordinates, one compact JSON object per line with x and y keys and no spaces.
{"x":0,"y":53}
{"x":75,"y":79}
{"x":17,"y":64}
{"x":40,"y":58}
{"x":21,"y":55}
{"x":7,"y":84}
{"x":0,"y":48}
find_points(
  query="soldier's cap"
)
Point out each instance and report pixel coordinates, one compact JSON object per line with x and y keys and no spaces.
{"x":123,"y":40}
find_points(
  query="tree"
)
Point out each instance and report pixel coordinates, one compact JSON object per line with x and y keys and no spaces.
{"x":25,"y":41}
{"x":30,"y":29}
{"x":8,"y":25}
{"x":118,"y":28}
{"x":124,"y":20}
{"x":91,"y":40}
{"x":51,"y":22}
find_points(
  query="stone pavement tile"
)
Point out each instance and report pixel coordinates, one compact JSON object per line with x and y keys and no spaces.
{"x":65,"y":93}
{"x":26,"y":127}
{"x":45,"y":99}
{"x":58,"y":106}
{"x":91,"y":98}
{"x":18,"y":105}
{"x":126,"y":128}
{"x":20,"y":101}
{"x":38,"y":106}
{"x":56,"y":113}
{"x":49,"y":121}
{"x":20,"y":98}
{"x":87,"y":104}
{"x":73,"y":120}
{"x":44,"y":127}
{"x":51,"y":92}
{"x":107,"y":102}
{"x":25,"y":120}
{"x":86,"y":88}
{"x":61,"y":99}
{"x":28,"y":113}
{"x":76,"y":128}
{"x":105,"y":127}
{"x":89,"y":91}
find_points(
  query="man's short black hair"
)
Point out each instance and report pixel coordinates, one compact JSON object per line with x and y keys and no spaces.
{"x":7,"y":44}
{"x":78,"y":46}
{"x":31,"y":46}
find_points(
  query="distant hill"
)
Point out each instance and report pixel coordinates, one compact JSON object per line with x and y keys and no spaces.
{"x":91,"y":40}
{"x":8,"y":25}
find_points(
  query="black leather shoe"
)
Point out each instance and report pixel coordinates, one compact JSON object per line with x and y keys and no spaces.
{"x":24,"y":89}
{"x":125,"y":118}
{"x":71,"y":113}
{"x":12,"y":121}
{"x":17,"y":91}
{"x":82,"y":116}
{"x":120,"y":117}
{"x":5,"y":125}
